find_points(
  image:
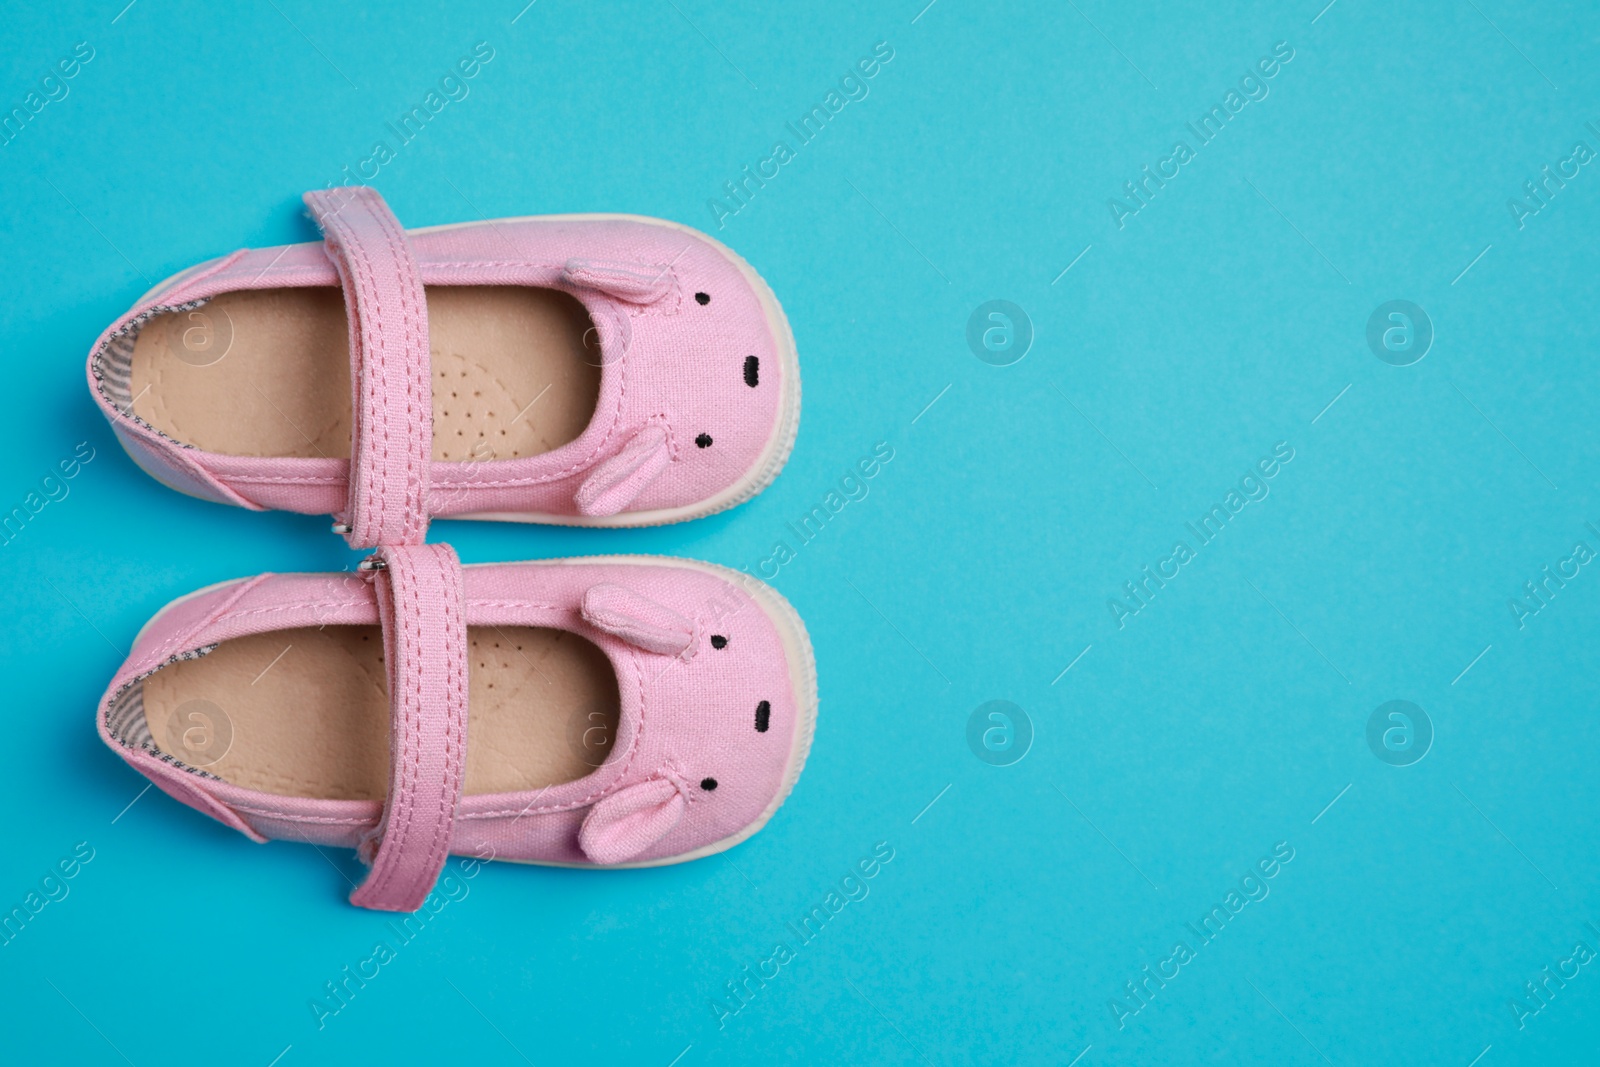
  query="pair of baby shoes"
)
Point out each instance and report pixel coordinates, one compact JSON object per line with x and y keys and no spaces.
{"x":599,"y":370}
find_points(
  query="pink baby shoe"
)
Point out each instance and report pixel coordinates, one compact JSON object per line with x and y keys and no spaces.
{"x":598,"y":370}
{"x":607,"y":711}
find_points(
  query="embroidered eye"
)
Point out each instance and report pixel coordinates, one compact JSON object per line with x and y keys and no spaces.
{"x":702,"y":299}
{"x":708,"y":784}
{"x":718,"y":641}
{"x":763,"y":716}
{"x":752,"y":371}
{"x":703,"y":441}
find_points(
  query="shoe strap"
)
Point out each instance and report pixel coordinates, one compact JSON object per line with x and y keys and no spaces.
{"x":391,"y":424}
{"x":421,"y":609}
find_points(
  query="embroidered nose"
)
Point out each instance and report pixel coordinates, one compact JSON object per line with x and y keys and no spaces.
{"x":637,"y":619}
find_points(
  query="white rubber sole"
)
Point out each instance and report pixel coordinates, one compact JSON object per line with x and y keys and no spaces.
{"x":802,"y":677}
{"x":761,"y":474}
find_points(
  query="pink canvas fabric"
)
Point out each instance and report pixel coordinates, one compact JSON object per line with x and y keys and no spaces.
{"x":419,"y":593}
{"x":710,"y":738}
{"x":675,"y":372}
{"x":391,"y":427}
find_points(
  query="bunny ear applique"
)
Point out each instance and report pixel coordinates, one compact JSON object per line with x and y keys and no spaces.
{"x":637,"y":283}
{"x":629,"y":821}
{"x":637,"y":619}
{"x":613,"y":484}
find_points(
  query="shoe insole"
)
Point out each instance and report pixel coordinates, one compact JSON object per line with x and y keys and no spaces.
{"x":266,"y":372}
{"x":305,"y":712}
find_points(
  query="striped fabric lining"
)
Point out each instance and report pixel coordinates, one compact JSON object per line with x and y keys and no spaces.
{"x":125,"y":717}
{"x":112,"y":364}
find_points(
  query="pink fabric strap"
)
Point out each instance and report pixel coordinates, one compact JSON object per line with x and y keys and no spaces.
{"x":420,"y":606}
{"x":391,"y":425}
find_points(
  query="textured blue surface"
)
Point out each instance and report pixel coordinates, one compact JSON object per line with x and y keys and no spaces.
{"x":1226,"y":719}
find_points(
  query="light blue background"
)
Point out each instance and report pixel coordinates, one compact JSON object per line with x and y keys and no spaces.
{"x":1175,"y":352}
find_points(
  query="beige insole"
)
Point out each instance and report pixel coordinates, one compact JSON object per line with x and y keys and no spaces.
{"x":516,"y":372}
{"x":305,"y":712}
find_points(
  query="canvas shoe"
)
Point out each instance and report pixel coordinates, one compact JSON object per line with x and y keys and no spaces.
{"x":601,"y":370}
{"x":608,"y":711}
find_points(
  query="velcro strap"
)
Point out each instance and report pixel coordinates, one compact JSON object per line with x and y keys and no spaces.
{"x":420,"y":606}
{"x":391,"y":424}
